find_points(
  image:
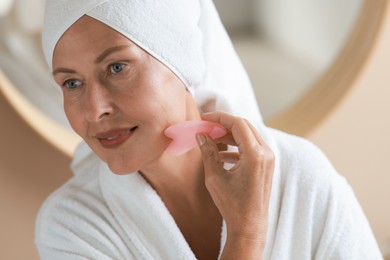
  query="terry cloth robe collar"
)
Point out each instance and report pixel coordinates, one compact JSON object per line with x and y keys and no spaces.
{"x":144,"y":217}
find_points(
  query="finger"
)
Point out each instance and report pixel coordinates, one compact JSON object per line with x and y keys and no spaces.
{"x":210,"y":155}
{"x":240,"y":130}
{"x":226,"y":139}
{"x":256,"y":133}
{"x":214,"y":116}
{"x":220,"y":117}
{"x":229,"y":157}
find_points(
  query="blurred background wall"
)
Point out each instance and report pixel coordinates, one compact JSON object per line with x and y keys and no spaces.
{"x":30,"y":169}
{"x":354,"y":136}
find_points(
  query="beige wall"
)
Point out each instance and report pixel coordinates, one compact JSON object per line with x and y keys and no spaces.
{"x":30,"y":169}
{"x":356,"y":136}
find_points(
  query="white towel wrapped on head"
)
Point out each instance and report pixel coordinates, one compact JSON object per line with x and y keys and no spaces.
{"x":186,"y":36}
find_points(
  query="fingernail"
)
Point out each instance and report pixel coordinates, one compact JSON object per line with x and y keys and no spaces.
{"x":201,"y":139}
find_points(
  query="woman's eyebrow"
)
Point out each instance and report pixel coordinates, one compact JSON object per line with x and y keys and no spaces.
{"x":99,"y":59}
{"x":107,"y":52}
{"x":63,"y":70}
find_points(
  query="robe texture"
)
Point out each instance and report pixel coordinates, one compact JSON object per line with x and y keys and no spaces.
{"x":314,"y":213}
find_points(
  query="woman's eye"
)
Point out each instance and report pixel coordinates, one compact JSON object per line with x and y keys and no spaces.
{"x":116,"y":68}
{"x":72,"y":84}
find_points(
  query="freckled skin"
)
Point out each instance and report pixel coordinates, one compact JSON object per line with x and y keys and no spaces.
{"x":145,"y":93}
{"x":129,"y":88}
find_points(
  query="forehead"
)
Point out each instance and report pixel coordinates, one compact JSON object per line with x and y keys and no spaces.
{"x":87,"y":35}
{"x":87,"y":23}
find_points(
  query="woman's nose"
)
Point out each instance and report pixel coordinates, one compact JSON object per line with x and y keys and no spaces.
{"x":98,"y":102}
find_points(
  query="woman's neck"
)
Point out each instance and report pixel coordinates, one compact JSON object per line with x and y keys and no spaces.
{"x":180,"y":184}
{"x":178,"y":176}
{"x":173,"y":176}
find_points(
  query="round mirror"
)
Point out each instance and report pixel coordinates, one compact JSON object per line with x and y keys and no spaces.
{"x":301,"y":56}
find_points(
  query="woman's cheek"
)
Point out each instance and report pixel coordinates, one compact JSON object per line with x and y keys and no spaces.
{"x":75,"y":118}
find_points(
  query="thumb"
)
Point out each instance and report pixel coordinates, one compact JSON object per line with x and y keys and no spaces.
{"x":210,"y":155}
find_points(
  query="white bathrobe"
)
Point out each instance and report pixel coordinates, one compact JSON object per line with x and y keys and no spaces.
{"x":313,"y":213}
{"x":100,"y":215}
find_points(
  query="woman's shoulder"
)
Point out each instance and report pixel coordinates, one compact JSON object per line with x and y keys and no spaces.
{"x":75,"y":221}
{"x":300,"y":158}
{"x":296,"y":147}
{"x":67,"y":199}
{"x":306,"y":181}
{"x":78,"y":197}
{"x":321,"y":203}
{"x":82,"y":188}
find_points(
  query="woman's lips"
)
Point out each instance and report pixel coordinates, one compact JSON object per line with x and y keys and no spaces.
{"x":114,"y":138}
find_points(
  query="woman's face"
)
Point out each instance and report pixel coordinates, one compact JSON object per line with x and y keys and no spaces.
{"x":117,"y":97}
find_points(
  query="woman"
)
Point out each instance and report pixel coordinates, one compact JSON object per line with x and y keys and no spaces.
{"x":130,"y":69}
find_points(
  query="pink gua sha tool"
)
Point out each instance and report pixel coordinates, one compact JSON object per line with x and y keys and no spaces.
{"x":183,"y":134}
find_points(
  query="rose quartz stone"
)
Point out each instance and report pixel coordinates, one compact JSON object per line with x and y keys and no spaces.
{"x":183,"y":134}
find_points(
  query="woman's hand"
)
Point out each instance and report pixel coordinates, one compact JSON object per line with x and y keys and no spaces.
{"x":242,"y":193}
